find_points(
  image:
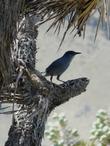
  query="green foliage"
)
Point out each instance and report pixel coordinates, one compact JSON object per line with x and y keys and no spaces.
{"x":101,"y":128}
{"x":60,"y":134}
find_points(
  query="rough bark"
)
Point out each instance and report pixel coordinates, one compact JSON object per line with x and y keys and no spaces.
{"x":36,"y":95}
{"x":9,"y":15}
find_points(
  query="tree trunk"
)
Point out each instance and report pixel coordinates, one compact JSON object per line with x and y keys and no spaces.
{"x":37,"y":96}
{"x":9,"y":13}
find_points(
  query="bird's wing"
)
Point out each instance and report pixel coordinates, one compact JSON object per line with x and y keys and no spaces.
{"x":54,"y":67}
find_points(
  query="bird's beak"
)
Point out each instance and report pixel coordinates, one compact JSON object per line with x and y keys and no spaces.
{"x":78,"y":53}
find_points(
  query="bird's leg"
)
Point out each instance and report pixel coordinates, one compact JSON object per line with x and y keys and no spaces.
{"x":51,"y":77}
{"x":58,"y":78}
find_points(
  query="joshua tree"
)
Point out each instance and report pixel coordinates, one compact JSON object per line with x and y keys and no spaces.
{"x":20,"y":82}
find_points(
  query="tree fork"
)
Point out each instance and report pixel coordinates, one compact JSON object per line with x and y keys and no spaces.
{"x":38,"y":96}
{"x":28,"y":128}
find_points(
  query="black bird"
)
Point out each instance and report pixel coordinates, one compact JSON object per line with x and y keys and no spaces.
{"x":59,"y":66}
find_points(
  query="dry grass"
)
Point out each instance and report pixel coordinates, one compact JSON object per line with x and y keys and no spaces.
{"x":9,"y":14}
{"x":77,"y":12}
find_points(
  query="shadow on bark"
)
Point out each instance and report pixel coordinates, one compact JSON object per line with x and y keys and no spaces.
{"x":34,"y":94}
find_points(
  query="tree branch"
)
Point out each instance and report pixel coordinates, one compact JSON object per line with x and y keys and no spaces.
{"x":38,"y":96}
{"x":63,"y":92}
